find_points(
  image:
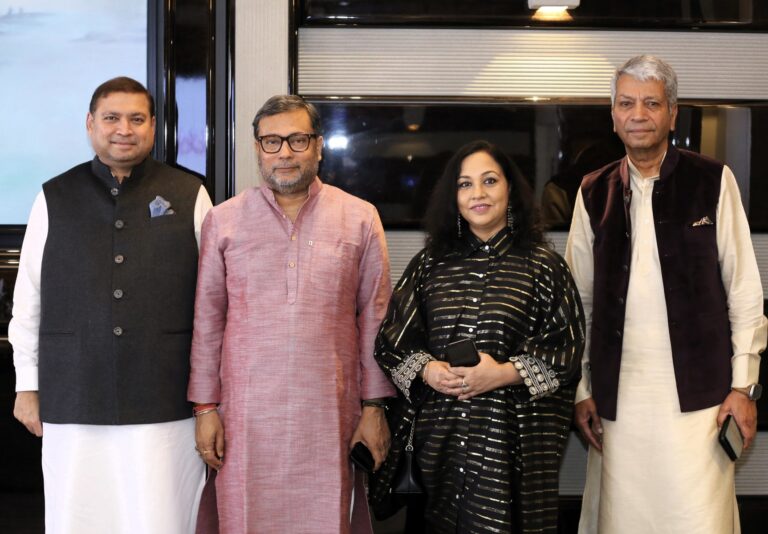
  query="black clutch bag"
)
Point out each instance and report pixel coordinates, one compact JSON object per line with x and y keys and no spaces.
{"x":462,"y":353}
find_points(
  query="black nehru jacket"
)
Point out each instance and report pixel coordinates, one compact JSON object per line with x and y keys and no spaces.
{"x":117,"y":296}
{"x":686,"y":193}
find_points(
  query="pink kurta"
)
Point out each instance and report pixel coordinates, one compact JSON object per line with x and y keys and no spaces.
{"x":285,"y":320}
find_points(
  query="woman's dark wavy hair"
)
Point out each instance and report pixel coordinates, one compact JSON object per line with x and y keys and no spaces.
{"x":442,"y":213}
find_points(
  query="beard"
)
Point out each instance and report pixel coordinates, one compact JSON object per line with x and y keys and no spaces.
{"x":290,"y":185}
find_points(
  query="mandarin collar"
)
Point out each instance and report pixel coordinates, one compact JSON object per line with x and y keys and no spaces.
{"x":498,"y":245}
{"x":668,"y":165}
{"x":104,"y":174}
{"x":314,"y":190}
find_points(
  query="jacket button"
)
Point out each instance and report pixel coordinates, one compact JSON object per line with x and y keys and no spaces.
{"x":117,"y":293}
{"x":114,"y":191}
{"x":625,"y":268}
{"x":117,"y":331}
{"x":618,"y":333}
{"x":119,"y":258}
{"x":621,"y":300}
{"x":119,"y":224}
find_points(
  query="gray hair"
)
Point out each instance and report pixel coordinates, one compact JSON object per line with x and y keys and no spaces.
{"x":283,"y":104}
{"x":644,"y":68}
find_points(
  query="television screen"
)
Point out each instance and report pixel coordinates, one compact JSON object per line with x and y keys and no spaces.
{"x":54,"y":54}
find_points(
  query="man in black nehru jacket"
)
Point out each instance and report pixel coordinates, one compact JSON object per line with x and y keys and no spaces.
{"x":101,"y":329}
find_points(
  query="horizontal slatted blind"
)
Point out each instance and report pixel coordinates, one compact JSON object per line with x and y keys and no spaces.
{"x":522,"y":63}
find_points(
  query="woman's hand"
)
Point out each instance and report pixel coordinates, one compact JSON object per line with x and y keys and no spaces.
{"x":439,"y":376}
{"x":485,"y":376}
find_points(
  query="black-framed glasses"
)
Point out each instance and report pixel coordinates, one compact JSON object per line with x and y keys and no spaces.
{"x":299,"y":142}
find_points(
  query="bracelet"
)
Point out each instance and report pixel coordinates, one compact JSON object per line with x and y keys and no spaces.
{"x":209,"y":410}
{"x":426,"y":372}
{"x":204,"y":408}
{"x":375,"y":403}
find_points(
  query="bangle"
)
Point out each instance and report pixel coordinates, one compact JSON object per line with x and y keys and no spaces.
{"x":200,"y":409}
{"x":209,"y":410}
{"x":426,"y":372}
{"x":375,"y":403}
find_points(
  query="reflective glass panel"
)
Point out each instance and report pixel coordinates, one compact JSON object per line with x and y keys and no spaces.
{"x":54,"y":54}
{"x":392,"y":153}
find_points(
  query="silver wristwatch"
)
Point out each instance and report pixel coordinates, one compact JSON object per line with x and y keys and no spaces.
{"x":753,"y":391}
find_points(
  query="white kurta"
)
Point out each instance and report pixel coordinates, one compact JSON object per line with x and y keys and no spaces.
{"x":662,"y":470}
{"x":121,"y":479}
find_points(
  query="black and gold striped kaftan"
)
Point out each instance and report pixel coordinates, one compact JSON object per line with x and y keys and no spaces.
{"x":490,"y":463}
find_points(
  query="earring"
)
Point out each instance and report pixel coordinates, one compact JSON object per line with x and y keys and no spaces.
{"x":510,"y":218}
{"x":458,"y":225}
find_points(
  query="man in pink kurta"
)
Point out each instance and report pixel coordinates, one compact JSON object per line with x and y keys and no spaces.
{"x":293,"y":283}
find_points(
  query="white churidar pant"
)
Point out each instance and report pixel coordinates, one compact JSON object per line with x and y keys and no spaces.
{"x":121,"y":479}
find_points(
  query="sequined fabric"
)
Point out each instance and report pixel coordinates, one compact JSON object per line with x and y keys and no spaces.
{"x":489,"y":464}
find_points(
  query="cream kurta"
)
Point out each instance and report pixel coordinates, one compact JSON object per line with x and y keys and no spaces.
{"x":285,"y":320}
{"x":663,"y":471}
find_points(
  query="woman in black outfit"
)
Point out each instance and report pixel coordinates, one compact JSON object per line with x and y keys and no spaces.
{"x":489,"y":438}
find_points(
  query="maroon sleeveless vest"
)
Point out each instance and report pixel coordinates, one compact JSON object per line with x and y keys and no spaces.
{"x":686,"y":193}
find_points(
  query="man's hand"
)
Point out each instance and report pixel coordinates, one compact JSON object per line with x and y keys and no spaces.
{"x":744,"y":412}
{"x":589,"y":423}
{"x":373,"y":431}
{"x":27,"y":411}
{"x":209,"y":436}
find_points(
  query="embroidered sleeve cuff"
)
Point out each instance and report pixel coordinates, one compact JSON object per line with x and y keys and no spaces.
{"x":538,"y":379}
{"x":405,"y":373}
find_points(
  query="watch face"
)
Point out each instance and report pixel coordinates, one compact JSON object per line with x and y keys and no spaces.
{"x":756,"y":391}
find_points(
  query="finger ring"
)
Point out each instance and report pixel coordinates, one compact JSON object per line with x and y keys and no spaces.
{"x":204,"y":452}
{"x":464,"y":385}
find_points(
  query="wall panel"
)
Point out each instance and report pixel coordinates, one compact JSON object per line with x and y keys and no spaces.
{"x":522,"y":63}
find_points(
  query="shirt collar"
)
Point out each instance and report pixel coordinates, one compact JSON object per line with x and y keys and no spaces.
{"x":498,"y":245}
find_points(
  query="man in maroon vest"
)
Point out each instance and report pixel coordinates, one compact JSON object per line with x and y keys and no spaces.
{"x":661,"y":252}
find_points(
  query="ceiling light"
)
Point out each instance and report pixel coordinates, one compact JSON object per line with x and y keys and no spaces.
{"x":567,"y":4}
{"x":551,"y":13}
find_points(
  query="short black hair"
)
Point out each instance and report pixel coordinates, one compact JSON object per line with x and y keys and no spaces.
{"x":121,"y":84}
{"x":283,"y":104}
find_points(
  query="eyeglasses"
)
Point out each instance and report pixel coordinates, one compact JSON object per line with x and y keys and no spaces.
{"x":299,"y":142}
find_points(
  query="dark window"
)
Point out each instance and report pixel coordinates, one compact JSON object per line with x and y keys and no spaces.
{"x":391,"y":154}
{"x":9,"y":261}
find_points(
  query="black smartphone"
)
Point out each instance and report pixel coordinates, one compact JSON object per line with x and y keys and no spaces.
{"x":361,"y":456}
{"x":731,"y":439}
{"x":462,"y":353}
